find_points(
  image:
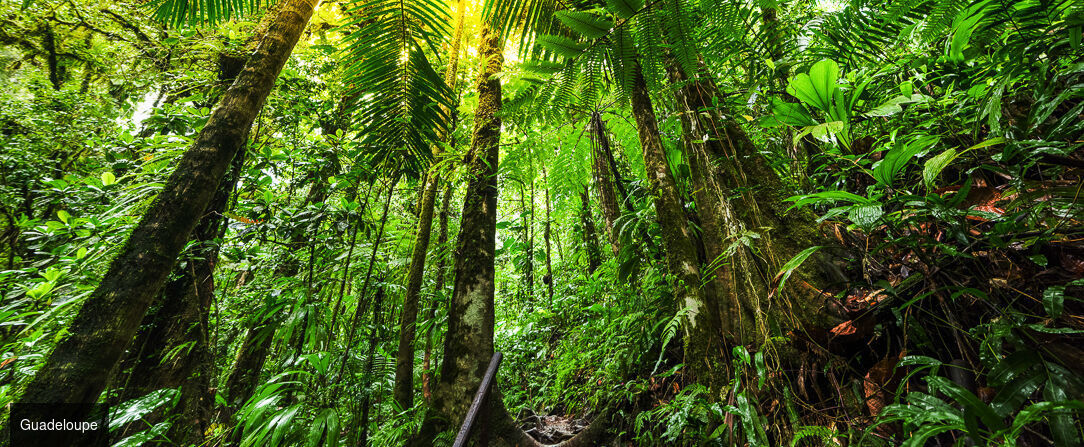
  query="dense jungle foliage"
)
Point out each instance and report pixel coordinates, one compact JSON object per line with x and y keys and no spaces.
{"x":682,"y":222}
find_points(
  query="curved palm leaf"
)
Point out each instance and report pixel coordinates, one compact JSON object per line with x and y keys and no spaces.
{"x":177,"y":13}
{"x":398,"y":97}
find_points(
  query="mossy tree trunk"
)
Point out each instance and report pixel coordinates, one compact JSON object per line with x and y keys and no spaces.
{"x":469,"y":339}
{"x":677,"y":238}
{"x":468,"y":344}
{"x":79,"y":367}
{"x":604,"y":179}
{"x":737,"y":192}
{"x":179,"y":317}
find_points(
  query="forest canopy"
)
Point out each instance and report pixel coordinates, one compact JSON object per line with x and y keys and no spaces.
{"x":620,"y":222}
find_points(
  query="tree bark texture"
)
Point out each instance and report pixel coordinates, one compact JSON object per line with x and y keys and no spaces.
{"x":180,"y":317}
{"x":730,"y":165}
{"x":469,"y":340}
{"x":604,"y":180}
{"x":681,"y":254}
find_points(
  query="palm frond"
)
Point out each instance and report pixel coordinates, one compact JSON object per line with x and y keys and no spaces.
{"x":179,"y":13}
{"x":396,"y":94}
{"x":521,"y":20}
{"x":677,"y":22}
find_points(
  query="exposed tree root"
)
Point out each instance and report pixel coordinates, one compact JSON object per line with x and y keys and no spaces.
{"x":504,"y":431}
{"x":510,"y":434}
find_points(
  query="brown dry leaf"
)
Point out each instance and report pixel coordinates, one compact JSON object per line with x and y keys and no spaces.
{"x":880,"y":383}
{"x":1072,"y":263}
{"x":844,"y":328}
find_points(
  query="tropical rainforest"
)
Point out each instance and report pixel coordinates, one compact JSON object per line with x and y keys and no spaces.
{"x":543,"y":222}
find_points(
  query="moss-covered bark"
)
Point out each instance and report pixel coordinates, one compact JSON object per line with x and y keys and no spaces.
{"x":404,"y":360}
{"x":172,"y":348}
{"x":681,"y":254}
{"x":469,"y":340}
{"x":604,"y":179}
{"x":77,"y":370}
{"x":737,"y":192}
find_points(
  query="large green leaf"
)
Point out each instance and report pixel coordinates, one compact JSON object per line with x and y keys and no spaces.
{"x":972,"y":405}
{"x":866,"y":215}
{"x":935,"y":165}
{"x":818,"y":87}
{"x":966,"y":23}
{"x":792,"y":114}
{"x":587,"y":24}
{"x":1054,"y":300}
{"x":135,"y":409}
{"x":827,"y":197}
{"x":898,"y":157}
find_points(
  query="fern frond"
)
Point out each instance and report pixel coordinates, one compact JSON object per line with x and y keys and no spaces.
{"x":623,"y":60}
{"x":624,"y":8}
{"x":649,"y":37}
{"x":677,"y":22}
{"x":591,"y":75}
{"x":521,"y":20}
{"x":587,"y":24}
{"x":562,"y":46}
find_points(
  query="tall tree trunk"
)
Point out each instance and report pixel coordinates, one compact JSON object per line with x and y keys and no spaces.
{"x":468,"y":344}
{"x":180,"y":317}
{"x":404,"y":359}
{"x":681,"y":259}
{"x":548,"y":279}
{"x":469,"y":340}
{"x":590,"y":236}
{"x":438,"y":291}
{"x":720,"y":314}
{"x":604,"y":179}
{"x":79,"y":367}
